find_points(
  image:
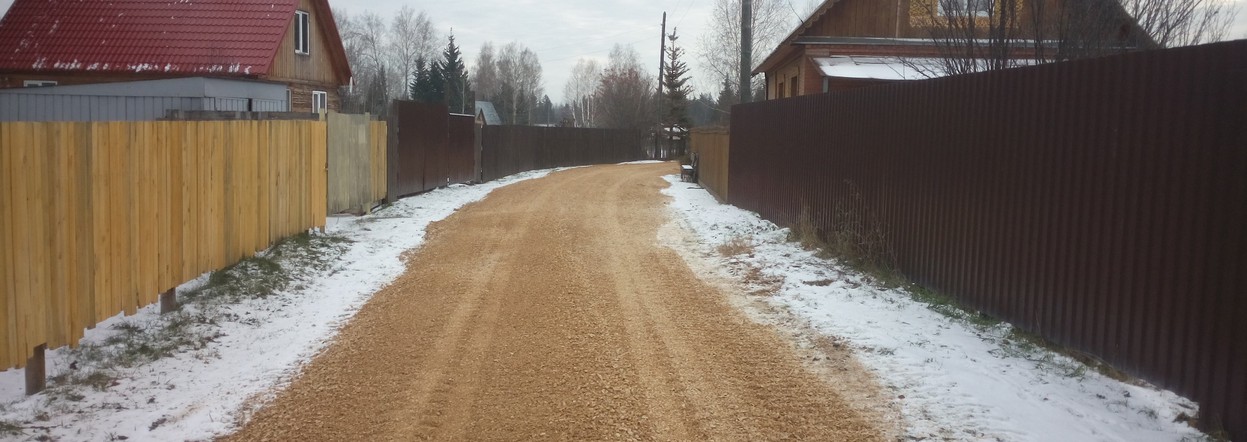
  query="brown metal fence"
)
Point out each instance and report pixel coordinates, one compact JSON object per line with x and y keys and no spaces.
{"x":1101,"y":203}
{"x":508,"y":150}
{"x":429,"y":148}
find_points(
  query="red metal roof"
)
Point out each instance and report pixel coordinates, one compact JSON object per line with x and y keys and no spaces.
{"x":189,"y":37}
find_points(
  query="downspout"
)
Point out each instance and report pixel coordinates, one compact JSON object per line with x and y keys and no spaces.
{"x":898,"y":19}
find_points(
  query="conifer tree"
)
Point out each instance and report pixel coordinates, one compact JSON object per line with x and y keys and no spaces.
{"x":458,"y":89}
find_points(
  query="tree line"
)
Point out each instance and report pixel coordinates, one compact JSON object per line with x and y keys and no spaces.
{"x":405,"y":57}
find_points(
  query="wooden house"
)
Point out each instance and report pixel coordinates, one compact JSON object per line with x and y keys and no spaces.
{"x":289,"y":42}
{"x":846,"y":44}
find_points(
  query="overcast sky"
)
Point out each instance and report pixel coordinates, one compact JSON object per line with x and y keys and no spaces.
{"x":559,"y":31}
{"x":562,"y":31}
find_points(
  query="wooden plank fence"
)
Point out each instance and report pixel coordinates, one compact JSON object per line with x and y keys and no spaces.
{"x":357,"y":162}
{"x":711,"y":147}
{"x":100,"y":218}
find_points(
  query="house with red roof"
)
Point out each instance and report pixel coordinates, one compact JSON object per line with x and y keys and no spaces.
{"x":72,"y":42}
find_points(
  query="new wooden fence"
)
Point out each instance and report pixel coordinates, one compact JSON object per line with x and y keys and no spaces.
{"x":357,"y":162}
{"x":1099,"y":203}
{"x":711,"y":147}
{"x":100,"y":218}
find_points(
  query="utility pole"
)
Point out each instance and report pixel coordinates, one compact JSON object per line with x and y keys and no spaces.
{"x":746,"y":51}
{"x":662,"y":51}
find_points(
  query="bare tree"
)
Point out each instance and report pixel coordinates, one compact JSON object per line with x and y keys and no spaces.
{"x":348,"y":29}
{"x":510,"y":78}
{"x":411,"y":38}
{"x":719,"y":47}
{"x":485,"y":72}
{"x":983,"y":35}
{"x":625,"y":93}
{"x":1173,"y":23}
{"x":579,"y":91}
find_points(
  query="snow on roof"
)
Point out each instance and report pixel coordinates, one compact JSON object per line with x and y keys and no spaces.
{"x":879,"y":68}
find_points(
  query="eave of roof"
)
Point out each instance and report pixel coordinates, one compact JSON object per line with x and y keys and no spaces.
{"x":785,"y":48}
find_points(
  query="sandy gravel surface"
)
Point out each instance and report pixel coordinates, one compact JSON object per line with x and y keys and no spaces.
{"x":549,"y":311}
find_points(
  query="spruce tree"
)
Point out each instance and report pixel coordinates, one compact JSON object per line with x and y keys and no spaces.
{"x":677,"y":90}
{"x":727,"y":98}
{"x":458,"y":88}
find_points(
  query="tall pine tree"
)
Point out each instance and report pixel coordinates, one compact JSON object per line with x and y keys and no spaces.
{"x":675,"y":95}
{"x":458,"y":89}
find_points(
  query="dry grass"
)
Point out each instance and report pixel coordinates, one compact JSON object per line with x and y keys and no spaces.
{"x":736,"y":246}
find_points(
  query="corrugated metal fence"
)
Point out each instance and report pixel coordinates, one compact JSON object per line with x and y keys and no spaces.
{"x":508,"y":150}
{"x":428,"y":148}
{"x":1100,"y":203}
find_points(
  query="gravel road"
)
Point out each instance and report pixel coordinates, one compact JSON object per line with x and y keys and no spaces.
{"x":549,"y":311}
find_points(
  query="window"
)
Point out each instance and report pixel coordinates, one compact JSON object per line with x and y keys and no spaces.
{"x":962,"y":8}
{"x":302,"y":33}
{"x":792,"y":87}
{"x":38,"y":83}
{"x":320,"y":102}
{"x":289,"y":101}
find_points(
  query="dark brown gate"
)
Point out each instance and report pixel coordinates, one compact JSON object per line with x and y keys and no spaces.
{"x":429,"y":148}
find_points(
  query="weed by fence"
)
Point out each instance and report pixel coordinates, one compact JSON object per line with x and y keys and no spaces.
{"x":1098,"y":203}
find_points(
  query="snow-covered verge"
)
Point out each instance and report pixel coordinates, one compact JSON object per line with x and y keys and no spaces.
{"x":951,"y":378}
{"x":244,"y":351}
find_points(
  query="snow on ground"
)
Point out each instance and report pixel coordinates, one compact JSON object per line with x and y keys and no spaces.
{"x":951,"y":379}
{"x":197,"y":394}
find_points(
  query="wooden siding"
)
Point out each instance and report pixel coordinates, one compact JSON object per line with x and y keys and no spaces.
{"x":865,"y":18}
{"x":314,"y":68}
{"x":100,"y":218}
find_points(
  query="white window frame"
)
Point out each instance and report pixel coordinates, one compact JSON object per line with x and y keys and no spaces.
{"x":39,"y":83}
{"x":302,"y":33}
{"x":965,"y":8}
{"x":320,"y":101}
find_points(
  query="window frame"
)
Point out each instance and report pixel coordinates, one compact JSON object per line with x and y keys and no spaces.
{"x":40,"y":83}
{"x":964,"y":8}
{"x":320,"y":101}
{"x":302,"y":32}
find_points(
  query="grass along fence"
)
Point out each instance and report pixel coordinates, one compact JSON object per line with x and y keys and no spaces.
{"x":711,"y":147}
{"x":101,"y":218}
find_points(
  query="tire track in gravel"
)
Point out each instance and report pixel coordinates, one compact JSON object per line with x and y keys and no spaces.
{"x":548,"y":311}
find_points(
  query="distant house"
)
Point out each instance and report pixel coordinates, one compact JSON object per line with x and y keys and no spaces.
{"x":288,"y":42}
{"x":846,"y":44}
{"x":486,"y":114}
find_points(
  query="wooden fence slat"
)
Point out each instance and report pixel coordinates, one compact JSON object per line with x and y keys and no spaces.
{"x":7,"y":331}
{"x":57,"y":198}
{"x":42,"y":263}
{"x":22,"y":239}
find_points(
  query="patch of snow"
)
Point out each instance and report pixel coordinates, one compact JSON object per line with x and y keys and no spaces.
{"x":645,"y":162}
{"x":198,"y":395}
{"x":952,"y":380}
